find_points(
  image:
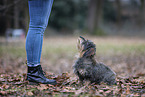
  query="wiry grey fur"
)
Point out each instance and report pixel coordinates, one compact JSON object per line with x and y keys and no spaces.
{"x":87,"y":68}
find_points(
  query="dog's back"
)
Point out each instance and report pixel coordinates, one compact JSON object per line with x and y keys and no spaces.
{"x":103,"y":73}
{"x":88,"y":69}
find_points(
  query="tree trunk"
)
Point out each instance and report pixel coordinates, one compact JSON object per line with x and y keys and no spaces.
{"x":26,"y":20}
{"x":8,"y":20}
{"x":142,"y":14}
{"x":99,"y":12}
{"x":94,"y":15}
{"x":91,"y":15}
{"x":118,"y":3}
{"x":16,"y":17}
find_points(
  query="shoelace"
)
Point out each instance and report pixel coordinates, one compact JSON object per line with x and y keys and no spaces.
{"x":42,"y":71}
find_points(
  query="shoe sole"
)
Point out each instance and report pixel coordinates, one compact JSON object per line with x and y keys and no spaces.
{"x":35,"y":83}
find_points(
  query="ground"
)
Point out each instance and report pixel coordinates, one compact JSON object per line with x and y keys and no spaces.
{"x":126,"y":56}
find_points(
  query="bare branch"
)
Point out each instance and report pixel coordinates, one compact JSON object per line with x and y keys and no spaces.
{"x":5,"y":7}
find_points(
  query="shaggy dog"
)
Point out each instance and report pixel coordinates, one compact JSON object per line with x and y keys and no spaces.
{"x":87,"y":68}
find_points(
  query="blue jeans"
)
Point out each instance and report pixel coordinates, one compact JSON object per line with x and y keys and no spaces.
{"x":39,"y":12}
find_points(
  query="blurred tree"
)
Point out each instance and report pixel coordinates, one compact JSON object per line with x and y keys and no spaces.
{"x":12,"y":14}
{"x":68,"y":14}
{"x":118,"y":3}
{"x":16,"y":16}
{"x":109,"y":12}
{"x":3,"y":22}
{"x":142,"y":12}
{"x":26,"y":17}
{"x":95,"y":9}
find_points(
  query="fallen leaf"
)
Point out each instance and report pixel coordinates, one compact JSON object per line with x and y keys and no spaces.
{"x":5,"y":86}
{"x":30,"y":93}
{"x":42,"y":87}
{"x":127,"y":89}
{"x":79,"y":91}
{"x":3,"y":92}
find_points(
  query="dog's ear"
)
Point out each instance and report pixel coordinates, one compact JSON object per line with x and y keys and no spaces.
{"x":79,"y":43}
{"x":80,"y":47}
{"x":90,"y":52}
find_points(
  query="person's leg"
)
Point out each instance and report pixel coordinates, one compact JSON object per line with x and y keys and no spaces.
{"x":39,"y":11}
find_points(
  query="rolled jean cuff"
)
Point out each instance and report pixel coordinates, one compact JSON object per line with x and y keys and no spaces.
{"x":32,"y":64}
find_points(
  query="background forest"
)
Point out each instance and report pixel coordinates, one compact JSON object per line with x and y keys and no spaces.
{"x":98,"y":17}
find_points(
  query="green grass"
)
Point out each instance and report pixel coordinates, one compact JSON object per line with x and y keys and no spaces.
{"x":50,"y":50}
{"x":62,"y":46}
{"x":11,"y":51}
{"x":61,"y":51}
{"x":121,"y":49}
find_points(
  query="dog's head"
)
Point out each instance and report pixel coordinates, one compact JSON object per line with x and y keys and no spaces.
{"x":86,"y":47}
